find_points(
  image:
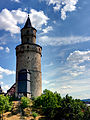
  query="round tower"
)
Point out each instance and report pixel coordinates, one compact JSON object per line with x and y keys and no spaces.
{"x":28,"y":63}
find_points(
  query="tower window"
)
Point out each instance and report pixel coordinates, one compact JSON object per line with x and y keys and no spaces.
{"x":27,"y":31}
{"x":27,"y":40}
{"x":27,"y":46}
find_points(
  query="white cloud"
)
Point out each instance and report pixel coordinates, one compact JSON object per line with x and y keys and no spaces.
{"x":9,"y":20}
{"x":49,"y":65}
{"x":38,"y":18}
{"x":5,"y":88}
{"x":18,"y":1}
{"x":75,"y":59}
{"x":1,"y":76}
{"x":1,"y":48}
{"x":66,"y":87}
{"x":69,"y":6}
{"x":19,"y":16}
{"x":63,"y":5}
{"x":51,"y":84}
{"x":1,"y":83}
{"x":66,"y":80}
{"x":3,"y":39}
{"x":47,"y":29}
{"x":78,"y":57}
{"x":45,"y":82}
{"x":7,"y":50}
{"x":58,"y":41}
{"x":6,"y":71}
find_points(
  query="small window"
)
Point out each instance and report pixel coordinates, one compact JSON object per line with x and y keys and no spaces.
{"x":27,"y":32}
{"x":27,"y":40}
{"x":27,"y":46}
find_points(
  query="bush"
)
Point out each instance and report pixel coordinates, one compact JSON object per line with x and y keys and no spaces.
{"x":34,"y":114}
{"x":57,"y":108}
{"x":25,"y":102}
{"x":5,"y":104}
{"x":48,"y":99}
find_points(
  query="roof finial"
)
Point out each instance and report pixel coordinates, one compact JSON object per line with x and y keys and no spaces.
{"x":28,"y":11}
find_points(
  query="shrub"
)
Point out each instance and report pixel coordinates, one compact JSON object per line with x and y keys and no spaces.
{"x":34,"y":114}
{"x":5,"y":104}
{"x":57,"y":108}
{"x":25,"y":102}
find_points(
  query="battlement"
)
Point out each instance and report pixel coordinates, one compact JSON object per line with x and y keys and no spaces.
{"x":28,"y":47}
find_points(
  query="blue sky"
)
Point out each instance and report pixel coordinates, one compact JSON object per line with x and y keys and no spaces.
{"x":63,"y":31}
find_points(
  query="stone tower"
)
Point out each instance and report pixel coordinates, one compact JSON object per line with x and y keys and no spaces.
{"x":28,"y":63}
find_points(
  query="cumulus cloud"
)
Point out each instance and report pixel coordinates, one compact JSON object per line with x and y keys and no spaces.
{"x":63,"y":5}
{"x":58,"y":41}
{"x":1,"y":76}
{"x":18,"y":1}
{"x":9,"y":20}
{"x":78,"y":57}
{"x":47,"y":29}
{"x":69,"y":6}
{"x":45,"y":82}
{"x":1,"y":83}
{"x":1,"y":48}
{"x":66,"y":87}
{"x":6,"y":71}
{"x":3,"y":39}
{"x":5,"y":88}
{"x":75,"y":59}
{"x":38,"y":18}
{"x":7,"y":50}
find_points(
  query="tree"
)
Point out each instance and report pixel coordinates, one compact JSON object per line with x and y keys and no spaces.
{"x":48,"y":101}
{"x":5,"y":104}
{"x":66,"y":108}
{"x":34,"y":114}
{"x":25,"y":102}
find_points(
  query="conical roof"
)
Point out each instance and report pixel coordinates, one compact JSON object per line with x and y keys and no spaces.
{"x":28,"y":23}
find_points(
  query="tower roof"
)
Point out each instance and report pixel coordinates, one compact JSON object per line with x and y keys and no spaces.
{"x":28,"y":23}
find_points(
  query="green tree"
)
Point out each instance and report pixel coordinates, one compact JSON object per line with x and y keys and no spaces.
{"x":70,"y":109}
{"x":34,"y":114}
{"x":57,"y":108}
{"x":5,"y":104}
{"x":25,"y":102}
{"x":48,"y":101}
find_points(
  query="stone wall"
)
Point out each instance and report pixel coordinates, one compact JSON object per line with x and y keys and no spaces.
{"x":28,"y":56}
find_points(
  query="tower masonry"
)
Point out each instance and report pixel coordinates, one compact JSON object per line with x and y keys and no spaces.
{"x":28,"y":63}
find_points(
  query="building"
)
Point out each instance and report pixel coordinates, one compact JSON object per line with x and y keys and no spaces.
{"x":1,"y":91}
{"x":11,"y":91}
{"x":28,"y":63}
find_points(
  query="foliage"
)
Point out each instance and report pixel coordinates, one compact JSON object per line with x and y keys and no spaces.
{"x":57,"y":108}
{"x":5,"y":104}
{"x":34,"y":114}
{"x":48,"y":99}
{"x":25,"y":102}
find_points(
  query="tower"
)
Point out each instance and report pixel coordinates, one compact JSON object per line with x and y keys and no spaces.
{"x":28,"y":63}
